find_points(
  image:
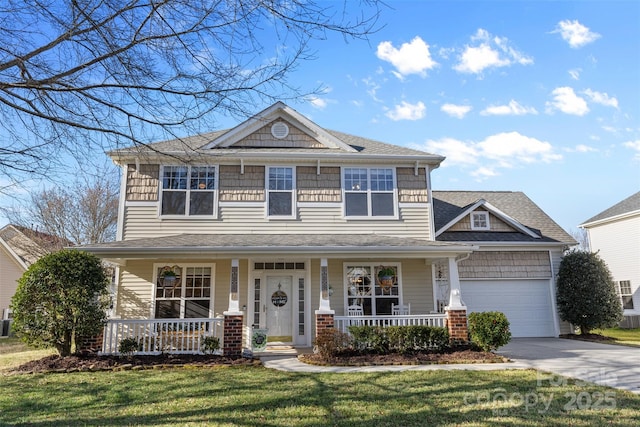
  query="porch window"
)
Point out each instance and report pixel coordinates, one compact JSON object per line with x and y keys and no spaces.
{"x":367,"y":287}
{"x":280,"y":192}
{"x":369,"y":192}
{"x":188,"y":190}
{"x":188,"y":296}
{"x":625,"y":294}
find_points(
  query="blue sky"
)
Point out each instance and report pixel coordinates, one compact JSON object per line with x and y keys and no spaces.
{"x":540,"y":97}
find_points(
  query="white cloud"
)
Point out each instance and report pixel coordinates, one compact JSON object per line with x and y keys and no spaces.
{"x":576,"y":34}
{"x":487,"y":51}
{"x":634,"y":145}
{"x":318,"y":103}
{"x":511,"y":109}
{"x":601,"y":98}
{"x":458,"y":111}
{"x":566,"y":100}
{"x":411,"y":58}
{"x":511,"y":147}
{"x":406,"y":111}
{"x":500,"y":151}
{"x":581,"y":148}
{"x":575,"y":73}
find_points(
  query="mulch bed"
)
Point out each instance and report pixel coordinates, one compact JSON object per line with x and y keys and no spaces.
{"x":588,"y":337}
{"x":449,"y":357}
{"x":93,"y":362}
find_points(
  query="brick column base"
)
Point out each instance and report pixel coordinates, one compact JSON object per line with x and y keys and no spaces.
{"x":323,"y":321}
{"x":89,"y":344}
{"x":232,"y":335}
{"x":457,"y":325}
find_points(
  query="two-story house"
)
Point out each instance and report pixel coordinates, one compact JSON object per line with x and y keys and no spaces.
{"x":281,"y":224}
{"x":615,"y":234}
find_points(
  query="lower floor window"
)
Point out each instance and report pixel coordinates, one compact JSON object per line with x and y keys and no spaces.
{"x":185,"y":294}
{"x":626,"y":294}
{"x":375,"y":288}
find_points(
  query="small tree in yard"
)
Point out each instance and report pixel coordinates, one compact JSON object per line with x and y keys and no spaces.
{"x":587,"y":296}
{"x":60,"y":298}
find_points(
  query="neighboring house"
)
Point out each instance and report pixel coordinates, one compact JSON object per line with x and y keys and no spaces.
{"x":519,"y":251}
{"x":281,"y":224}
{"x":19,"y":248}
{"x":615,"y":234}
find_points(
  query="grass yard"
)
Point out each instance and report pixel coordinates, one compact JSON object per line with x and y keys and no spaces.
{"x":256,"y":396}
{"x":622,"y":336}
{"x":14,"y":353}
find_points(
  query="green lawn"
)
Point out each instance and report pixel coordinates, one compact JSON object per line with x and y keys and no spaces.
{"x":14,"y":353}
{"x":256,"y":396}
{"x":622,"y":336}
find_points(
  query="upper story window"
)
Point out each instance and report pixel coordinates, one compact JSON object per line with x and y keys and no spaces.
{"x":188,"y":190}
{"x":480,"y":220}
{"x":369,"y":192}
{"x":280,"y":192}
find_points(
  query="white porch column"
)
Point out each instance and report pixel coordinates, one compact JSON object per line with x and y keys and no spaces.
{"x":325,"y":304}
{"x":234,"y":289}
{"x":455,"y":297}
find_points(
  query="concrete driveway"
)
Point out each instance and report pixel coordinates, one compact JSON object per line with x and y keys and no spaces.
{"x":604,"y":364}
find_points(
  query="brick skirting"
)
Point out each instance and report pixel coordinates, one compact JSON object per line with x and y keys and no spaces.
{"x":323,"y":321}
{"x":232,"y":342}
{"x":90,"y":344}
{"x":457,"y":325}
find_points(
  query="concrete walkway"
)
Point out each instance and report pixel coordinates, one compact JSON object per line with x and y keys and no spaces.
{"x":610,"y":365}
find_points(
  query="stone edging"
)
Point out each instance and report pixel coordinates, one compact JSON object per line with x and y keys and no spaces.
{"x":301,"y":358}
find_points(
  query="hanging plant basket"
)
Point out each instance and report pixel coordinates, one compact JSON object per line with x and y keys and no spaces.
{"x":386,"y":277}
{"x":169,"y":275}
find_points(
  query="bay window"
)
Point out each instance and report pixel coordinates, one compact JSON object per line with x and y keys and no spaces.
{"x":369,"y":192}
{"x":188,"y":190}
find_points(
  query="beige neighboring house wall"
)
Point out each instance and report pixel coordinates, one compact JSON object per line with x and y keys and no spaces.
{"x":19,"y":248}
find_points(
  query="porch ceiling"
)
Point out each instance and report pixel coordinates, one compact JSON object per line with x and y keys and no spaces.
{"x":250,"y":245}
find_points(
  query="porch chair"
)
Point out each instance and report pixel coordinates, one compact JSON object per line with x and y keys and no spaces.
{"x":355,"y":310}
{"x":400,"y":309}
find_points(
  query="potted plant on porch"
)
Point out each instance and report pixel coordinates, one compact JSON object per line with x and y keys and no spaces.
{"x":168,"y":275}
{"x":386,"y":277}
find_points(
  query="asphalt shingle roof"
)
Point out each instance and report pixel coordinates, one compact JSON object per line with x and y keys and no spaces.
{"x":447,"y":205}
{"x":630,"y":204}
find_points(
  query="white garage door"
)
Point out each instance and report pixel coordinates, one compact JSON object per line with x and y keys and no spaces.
{"x":526,"y":303}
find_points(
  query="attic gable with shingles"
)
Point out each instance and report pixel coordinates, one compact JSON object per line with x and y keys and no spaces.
{"x":27,"y":245}
{"x":628,"y":206}
{"x":447,"y":205}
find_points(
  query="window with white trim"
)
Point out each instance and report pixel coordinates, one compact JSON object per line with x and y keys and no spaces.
{"x":368,"y":286}
{"x":480,"y":220}
{"x":280,"y":192}
{"x":185,"y":295}
{"x":188,"y":191}
{"x":369,"y":192}
{"x":626,"y":294}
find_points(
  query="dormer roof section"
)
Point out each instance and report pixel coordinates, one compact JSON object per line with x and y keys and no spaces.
{"x":278,"y":113}
{"x":482,"y":203}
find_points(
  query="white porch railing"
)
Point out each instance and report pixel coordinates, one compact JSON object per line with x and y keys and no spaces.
{"x":342,"y":323}
{"x":155,"y":336}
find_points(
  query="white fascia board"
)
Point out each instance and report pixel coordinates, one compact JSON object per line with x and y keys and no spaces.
{"x":609,"y":219}
{"x":516,"y":246}
{"x":276,"y":111}
{"x":13,"y":254}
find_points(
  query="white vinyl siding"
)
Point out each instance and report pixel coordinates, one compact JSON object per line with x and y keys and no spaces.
{"x":141,"y":221}
{"x":11,"y":272}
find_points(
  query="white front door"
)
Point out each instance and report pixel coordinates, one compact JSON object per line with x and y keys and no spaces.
{"x":279,"y":313}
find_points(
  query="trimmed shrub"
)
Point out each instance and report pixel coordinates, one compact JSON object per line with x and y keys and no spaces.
{"x":489,"y":330}
{"x":210,"y":344}
{"x":331,"y":342}
{"x":400,"y":339}
{"x":587,"y":295}
{"x":128,"y":346}
{"x":369,"y":339}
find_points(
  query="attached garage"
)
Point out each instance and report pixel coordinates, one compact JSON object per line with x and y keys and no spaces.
{"x":526,"y":303}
